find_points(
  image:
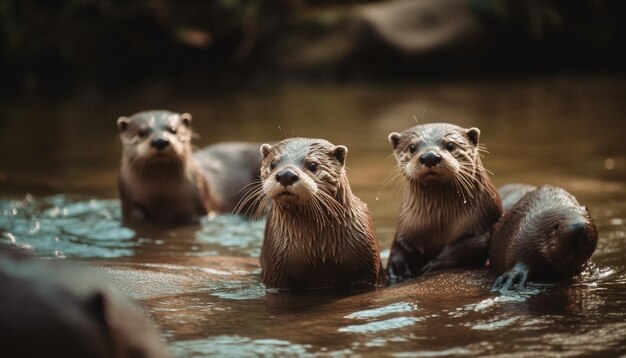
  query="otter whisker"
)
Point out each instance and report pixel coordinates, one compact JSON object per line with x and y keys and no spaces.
{"x":251,"y":197}
{"x":458,"y":188}
{"x":249,"y":200}
{"x":467,"y":187}
{"x":315,"y":211}
{"x":391,"y":177}
{"x":481,"y":184}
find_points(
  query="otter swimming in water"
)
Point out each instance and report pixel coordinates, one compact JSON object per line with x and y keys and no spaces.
{"x":162,"y":180}
{"x":450,"y":202}
{"x":546,"y":234}
{"x":318,"y":233}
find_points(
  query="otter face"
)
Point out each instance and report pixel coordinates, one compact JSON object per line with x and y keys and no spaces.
{"x":572,"y":238}
{"x":437,"y":153}
{"x":155,"y":136}
{"x":298,"y":171}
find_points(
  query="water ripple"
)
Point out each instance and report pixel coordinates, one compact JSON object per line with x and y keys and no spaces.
{"x":389,"y":324}
{"x":385,"y":310}
{"x":236,"y":346}
{"x":233,"y":232}
{"x":56,"y":226}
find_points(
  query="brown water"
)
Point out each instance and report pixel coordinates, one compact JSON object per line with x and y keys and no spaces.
{"x":201,"y":284}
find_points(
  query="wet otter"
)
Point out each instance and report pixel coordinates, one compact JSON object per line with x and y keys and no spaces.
{"x":318,"y":234}
{"x":546,"y":234}
{"x":162,"y":180}
{"x":450,"y":203}
{"x":53,"y":309}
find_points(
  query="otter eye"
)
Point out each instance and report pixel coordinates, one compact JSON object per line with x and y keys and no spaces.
{"x":312,"y":167}
{"x":412,"y":148}
{"x":273,"y":165}
{"x":142,"y":133}
{"x":450,"y":146}
{"x":171,"y":130}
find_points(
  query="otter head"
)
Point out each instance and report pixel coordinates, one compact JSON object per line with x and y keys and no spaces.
{"x":302,"y":171}
{"x":154,"y":137}
{"x":437,"y":153}
{"x":573,"y":236}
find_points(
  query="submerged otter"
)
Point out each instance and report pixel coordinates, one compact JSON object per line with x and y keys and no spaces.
{"x":450,"y":203}
{"x":318,"y":234}
{"x":547,"y":234}
{"x":162,"y":180}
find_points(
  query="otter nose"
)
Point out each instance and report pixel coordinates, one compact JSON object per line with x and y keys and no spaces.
{"x":287,"y":177}
{"x":160,"y":143}
{"x":430,"y":159}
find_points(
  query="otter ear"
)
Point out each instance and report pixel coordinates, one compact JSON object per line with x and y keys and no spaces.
{"x":339,"y":152}
{"x":394,"y":139}
{"x":265,"y":150}
{"x":473,"y":134}
{"x":122,"y":123}
{"x":185,"y":118}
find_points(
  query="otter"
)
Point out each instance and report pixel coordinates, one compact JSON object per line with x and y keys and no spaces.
{"x":547,"y":234}
{"x":318,"y":234}
{"x":450,"y":203}
{"x":57,"y":309}
{"x":162,"y":180}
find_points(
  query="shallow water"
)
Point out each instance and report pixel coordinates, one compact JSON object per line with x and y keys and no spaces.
{"x":202,"y":285}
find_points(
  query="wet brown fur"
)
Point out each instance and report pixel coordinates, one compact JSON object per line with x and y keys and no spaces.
{"x":548,"y":231}
{"x":445,"y":218}
{"x":323,"y":236}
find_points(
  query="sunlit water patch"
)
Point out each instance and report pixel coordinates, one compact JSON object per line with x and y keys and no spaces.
{"x":57,"y":226}
{"x":383,"y":325}
{"x":235,"y":346}
{"x":236,"y":234}
{"x":62,"y":227}
{"x":382,"y":311}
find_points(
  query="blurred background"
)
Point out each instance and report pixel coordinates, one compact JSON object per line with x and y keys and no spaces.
{"x":348,"y":71}
{"x":57,"y":47}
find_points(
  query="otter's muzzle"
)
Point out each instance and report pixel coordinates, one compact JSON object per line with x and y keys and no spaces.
{"x":159,"y":143}
{"x":430,"y":159}
{"x":287,"y":177}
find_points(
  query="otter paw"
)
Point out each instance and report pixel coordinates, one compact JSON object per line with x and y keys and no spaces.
{"x":398,"y":272}
{"x":515,"y":277}
{"x":431,"y":266}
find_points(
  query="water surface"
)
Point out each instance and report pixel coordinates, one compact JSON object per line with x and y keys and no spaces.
{"x":202,"y":284}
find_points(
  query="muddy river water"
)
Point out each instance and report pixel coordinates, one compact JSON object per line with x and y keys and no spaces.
{"x":201,"y":285}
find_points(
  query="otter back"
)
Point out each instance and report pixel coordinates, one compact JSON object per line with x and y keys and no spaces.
{"x":547,"y":234}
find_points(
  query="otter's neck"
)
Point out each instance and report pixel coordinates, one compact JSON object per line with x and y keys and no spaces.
{"x":470,"y":193}
{"x":453,"y":209}
{"x":174,"y":170}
